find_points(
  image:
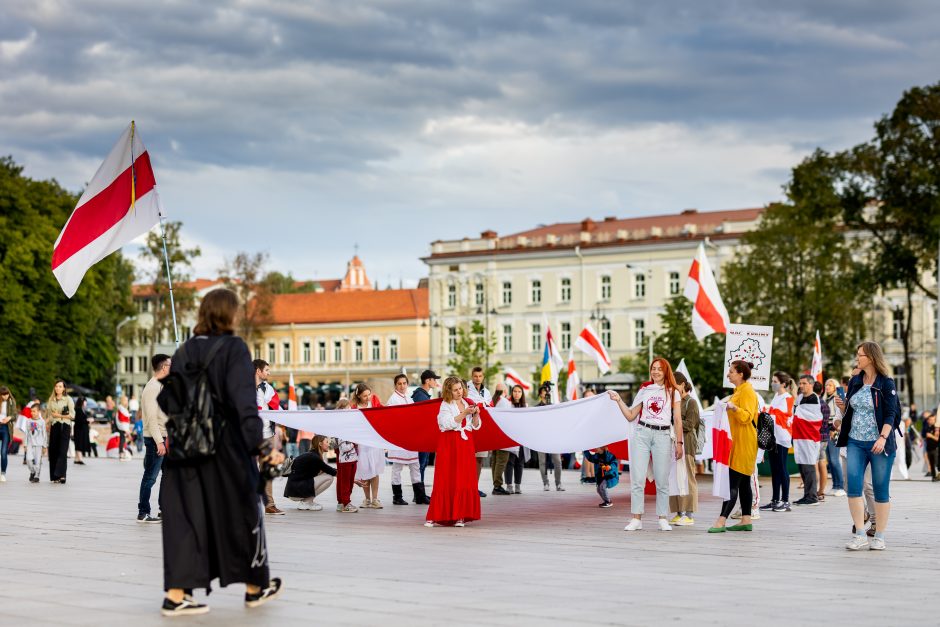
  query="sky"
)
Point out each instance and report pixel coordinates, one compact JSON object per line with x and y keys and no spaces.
{"x":304,"y":129}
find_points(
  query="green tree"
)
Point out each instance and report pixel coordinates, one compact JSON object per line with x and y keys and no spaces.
{"x":474,"y":349}
{"x":43,"y":334}
{"x":278,"y":283}
{"x":797,"y":274}
{"x":179,"y":261}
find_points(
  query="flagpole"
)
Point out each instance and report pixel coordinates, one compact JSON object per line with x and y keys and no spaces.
{"x":169,"y":280}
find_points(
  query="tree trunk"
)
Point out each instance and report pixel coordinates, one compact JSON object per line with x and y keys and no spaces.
{"x":906,"y":343}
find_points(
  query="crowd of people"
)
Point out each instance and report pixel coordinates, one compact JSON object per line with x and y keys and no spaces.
{"x":214,"y":505}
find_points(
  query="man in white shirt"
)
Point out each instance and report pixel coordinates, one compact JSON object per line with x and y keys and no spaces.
{"x":402,"y":459}
{"x":477,"y":393}
{"x":154,"y":421}
{"x":267,"y":398}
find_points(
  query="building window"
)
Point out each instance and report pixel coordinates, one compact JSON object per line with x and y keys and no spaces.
{"x":535,"y":292}
{"x":507,"y":293}
{"x":605,"y":287}
{"x":130,"y":390}
{"x":393,"y":349}
{"x":900,"y":379}
{"x":186,"y":332}
{"x":564,"y":292}
{"x":321,"y":352}
{"x":129,"y":365}
{"x":337,"y":351}
{"x":272,"y":353}
{"x":451,"y":340}
{"x":257,"y":351}
{"x":897,"y":321}
{"x":639,"y":333}
{"x":357,"y":350}
{"x":479,"y":295}
{"x":376,"y":350}
{"x":507,"y":338}
{"x":535,"y":337}
{"x":285,"y":353}
{"x":933,"y":333}
{"x":605,"y":332}
{"x":142,"y":364}
{"x":451,"y":296}
{"x":306,"y":354}
{"x":565,"y":335}
{"x":639,"y":285}
{"x":673,"y":283}
{"x":144,"y":336}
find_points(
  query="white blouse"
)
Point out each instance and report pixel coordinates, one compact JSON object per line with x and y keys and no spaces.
{"x":447,"y":419}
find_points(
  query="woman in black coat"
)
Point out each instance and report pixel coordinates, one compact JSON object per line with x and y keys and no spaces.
{"x":213,"y":521}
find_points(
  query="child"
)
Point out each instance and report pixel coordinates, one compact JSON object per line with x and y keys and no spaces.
{"x":347,"y":459}
{"x":606,"y":472}
{"x":93,"y":441}
{"x":35,"y":429}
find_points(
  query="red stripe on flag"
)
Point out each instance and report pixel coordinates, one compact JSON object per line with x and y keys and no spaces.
{"x":108,"y":207}
{"x":593,"y":342}
{"x":705,"y":308}
{"x":721,"y":447}
{"x":806,"y":430}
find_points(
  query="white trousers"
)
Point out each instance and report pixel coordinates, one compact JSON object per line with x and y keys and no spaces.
{"x":34,"y":459}
{"x":414,"y":468}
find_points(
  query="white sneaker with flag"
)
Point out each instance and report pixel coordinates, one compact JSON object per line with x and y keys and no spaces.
{"x":119,"y":204}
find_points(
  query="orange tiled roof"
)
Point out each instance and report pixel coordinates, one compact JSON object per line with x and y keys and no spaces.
{"x":146,"y":289}
{"x":351,"y":306}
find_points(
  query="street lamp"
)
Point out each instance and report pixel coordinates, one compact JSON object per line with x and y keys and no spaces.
{"x":346,"y":361}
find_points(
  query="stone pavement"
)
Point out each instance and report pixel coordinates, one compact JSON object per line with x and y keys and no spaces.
{"x":73,"y":555}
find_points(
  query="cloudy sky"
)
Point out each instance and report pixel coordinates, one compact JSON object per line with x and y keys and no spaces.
{"x":302,"y":128}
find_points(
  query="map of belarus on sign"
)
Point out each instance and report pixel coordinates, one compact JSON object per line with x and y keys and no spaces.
{"x":751,"y":343}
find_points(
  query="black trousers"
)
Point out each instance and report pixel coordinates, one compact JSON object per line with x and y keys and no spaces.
{"x":778,"y":474}
{"x":740,"y":486}
{"x":513,"y":474}
{"x":59,"y":437}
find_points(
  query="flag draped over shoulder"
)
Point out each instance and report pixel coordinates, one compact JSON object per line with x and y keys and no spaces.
{"x":590,"y":342}
{"x":781,"y":408}
{"x":708,"y":311}
{"x":807,"y":422}
{"x":119,"y":204}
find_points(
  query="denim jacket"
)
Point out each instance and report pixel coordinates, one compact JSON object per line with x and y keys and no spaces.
{"x":887,"y":408}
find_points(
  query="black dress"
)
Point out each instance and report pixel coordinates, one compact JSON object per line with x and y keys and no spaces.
{"x":303,"y":471}
{"x":80,"y":429}
{"x":213,"y":520}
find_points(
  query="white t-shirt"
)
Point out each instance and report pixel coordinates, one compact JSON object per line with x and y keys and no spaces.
{"x":656,"y":411}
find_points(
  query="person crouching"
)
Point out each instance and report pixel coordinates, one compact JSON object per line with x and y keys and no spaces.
{"x":310,"y":476}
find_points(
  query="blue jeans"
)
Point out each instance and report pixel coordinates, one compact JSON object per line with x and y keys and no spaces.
{"x":835,"y":465}
{"x":659,"y":444}
{"x":423,"y":463}
{"x":859,"y":456}
{"x":152,"y":464}
{"x":4,"y":447}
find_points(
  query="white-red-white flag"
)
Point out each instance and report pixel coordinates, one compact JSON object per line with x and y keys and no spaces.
{"x":119,"y":204}
{"x":807,"y":422}
{"x":721,"y":452}
{"x":708,"y":311}
{"x":590,"y":342}
{"x":512,"y":378}
{"x":573,"y":384}
{"x":291,"y":394}
{"x":816,"y":370}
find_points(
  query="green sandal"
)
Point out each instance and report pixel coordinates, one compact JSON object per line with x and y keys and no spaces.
{"x":741,"y":527}
{"x":716,"y":529}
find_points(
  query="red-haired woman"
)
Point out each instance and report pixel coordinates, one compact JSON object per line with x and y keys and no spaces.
{"x":657,"y":405}
{"x":456,"y":498}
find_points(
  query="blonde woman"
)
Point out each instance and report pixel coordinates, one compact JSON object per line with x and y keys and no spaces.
{"x":872,"y":412}
{"x":371,"y":459}
{"x":60,"y":410}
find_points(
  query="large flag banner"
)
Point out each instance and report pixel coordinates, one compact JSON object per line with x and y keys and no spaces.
{"x":511,"y":378}
{"x":590,"y":342}
{"x":754,"y":344}
{"x":573,"y":383}
{"x":807,"y":421}
{"x":291,"y":394}
{"x":708,"y":311}
{"x":721,"y":451}
{"x":119,"y":204}
{"x":816,"y":371}
{"x":579,"y":425}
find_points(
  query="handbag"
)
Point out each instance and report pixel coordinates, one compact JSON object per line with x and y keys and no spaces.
{"x":766,"y":440}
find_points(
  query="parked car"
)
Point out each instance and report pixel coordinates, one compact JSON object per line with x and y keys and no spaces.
{"x":95,"y":410}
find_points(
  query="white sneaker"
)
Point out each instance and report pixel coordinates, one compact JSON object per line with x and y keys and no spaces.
{"x":366,"y":504}
{"x":876,"y":544}
{"x":635,"y":524}
{"x":315,"y":507}
{"x":376,"y":504}
{"x":755,"y":514}
{"x":664,"y":525}
{"x":546,"y":488}
{"x":838,"y":493}
{"x":339,"y":507}
{"x":3,"y":478}
{"x":303,"y":506}
{"x":736,"y":515}
{"x":459,"y":523}
{"x":858,"y":543}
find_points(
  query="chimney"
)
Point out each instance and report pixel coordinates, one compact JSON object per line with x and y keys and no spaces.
{"x":587,"y":225}
{"x":488,"y":234}
{"x":688,"y":212}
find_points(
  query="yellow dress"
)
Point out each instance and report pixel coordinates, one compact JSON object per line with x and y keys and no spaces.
{"x":743,"y":433}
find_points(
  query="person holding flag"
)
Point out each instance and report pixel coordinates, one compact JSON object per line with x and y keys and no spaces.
{"x":402,"y":459}
{"x":781,"y":409}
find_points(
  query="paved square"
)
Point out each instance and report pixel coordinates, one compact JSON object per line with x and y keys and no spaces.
{"x":74,"y":555}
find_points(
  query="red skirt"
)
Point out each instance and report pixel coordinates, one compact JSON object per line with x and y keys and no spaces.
{"x":455,"y":496}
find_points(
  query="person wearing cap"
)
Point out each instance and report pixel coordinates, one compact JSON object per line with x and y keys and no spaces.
{"x":429,"y":381}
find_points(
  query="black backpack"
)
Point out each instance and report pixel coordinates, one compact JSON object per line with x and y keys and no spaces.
{"x":766,"y":440}
{"x":193,"y":429}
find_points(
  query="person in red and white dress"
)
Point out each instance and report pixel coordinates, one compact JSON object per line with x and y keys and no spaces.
{"x":371,"y":459}
{"x":401,"y":458}
{"x":456,"y":498}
